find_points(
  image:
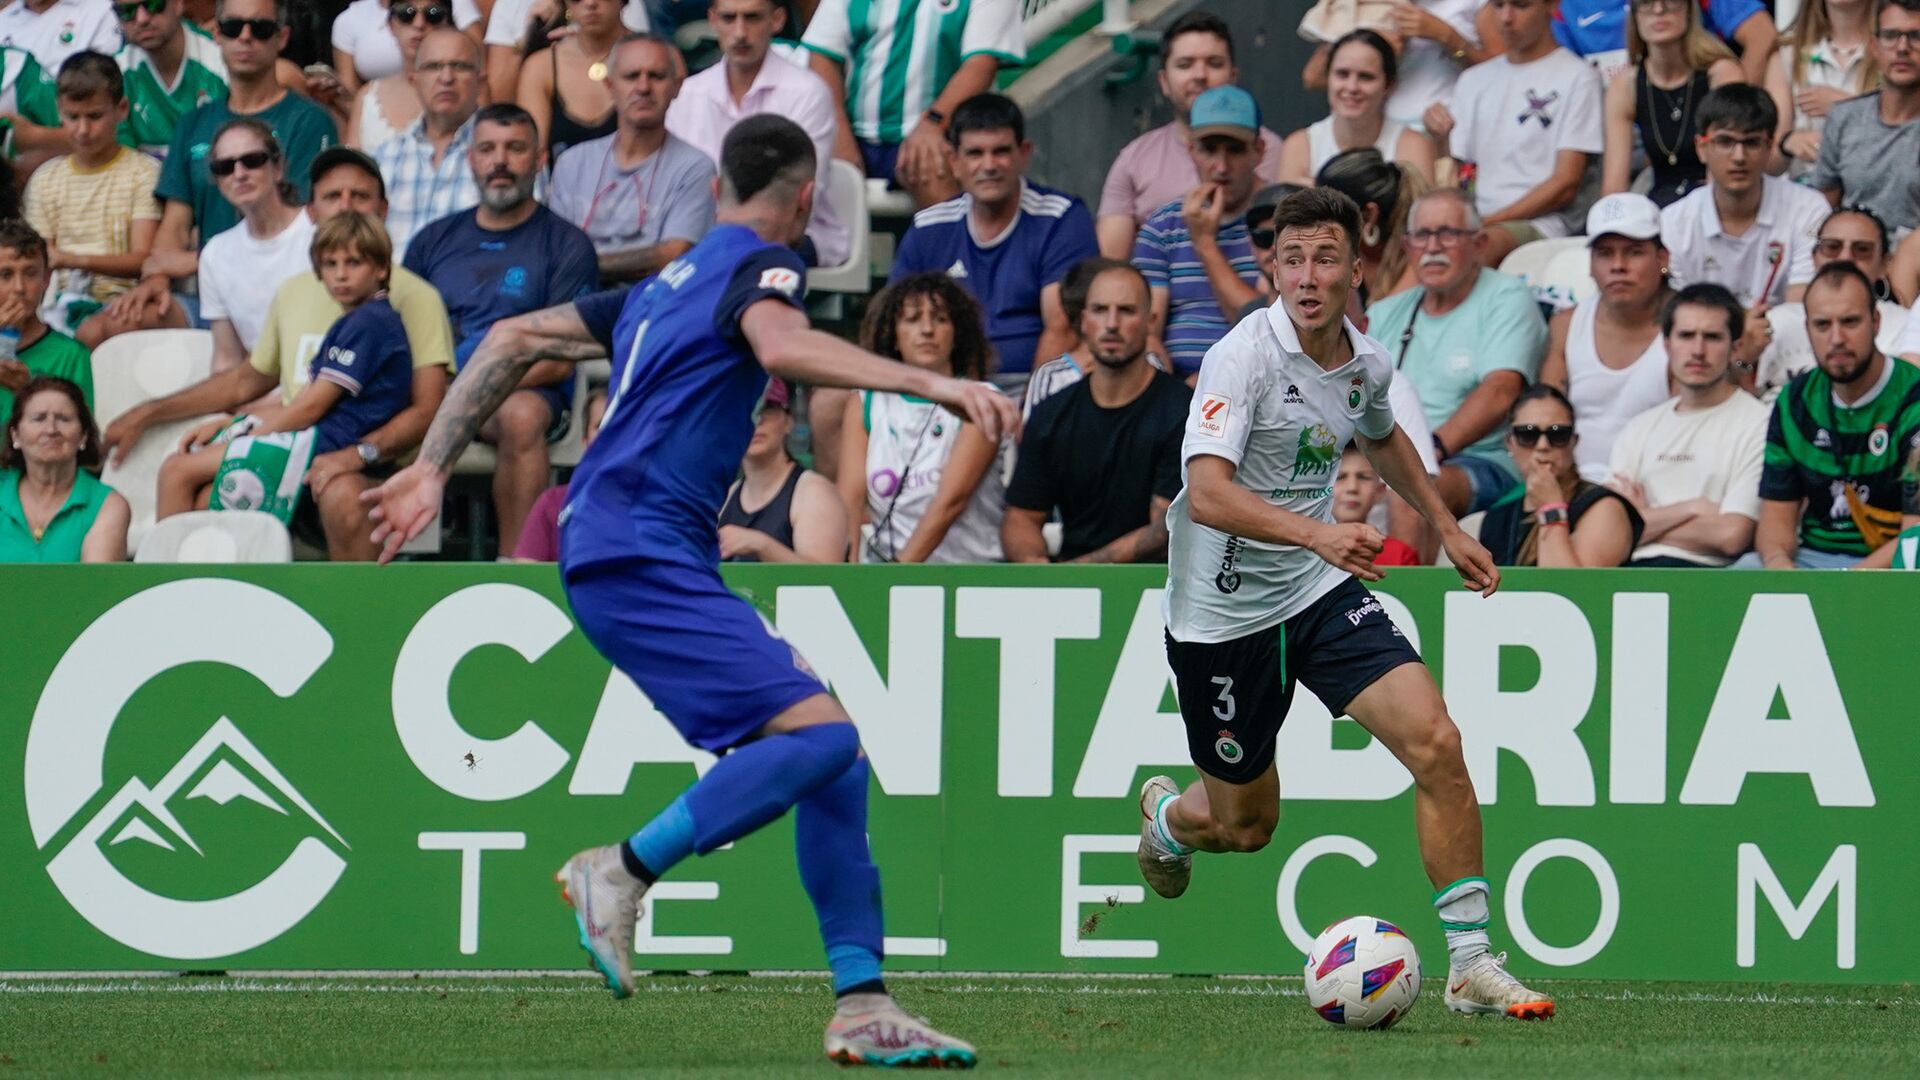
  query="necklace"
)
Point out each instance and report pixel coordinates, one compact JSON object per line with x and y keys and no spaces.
{"x":597,"y":70}
{"x":1677,"y":112}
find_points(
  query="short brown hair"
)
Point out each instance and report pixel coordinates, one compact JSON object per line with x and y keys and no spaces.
{"x":87,"y":73}
{"x":89,"y":456}
{"x":18,"y":237}
{"x":353,"y":231}
{"x":1319,"y":206}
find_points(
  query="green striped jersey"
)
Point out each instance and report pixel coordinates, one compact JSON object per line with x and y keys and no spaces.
{"x":1848,"y":463}
{"x":26,"y":90}
{"x":899,"y":54}
{"x":154,"y":108}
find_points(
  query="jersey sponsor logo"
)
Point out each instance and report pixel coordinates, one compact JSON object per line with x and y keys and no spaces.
{"x":1228,"y":579}
{"x":1293,"y":396}
{"x":1589,"y":19}
{"x":1213,"y":415}
{"x":1878,"y":442}
{"x":1316,"y":452}
{"x":677,"y":273}
{"x":1822,"y":439}
{"x":1355,"y":616}
{"x":780,"y":279}
{"x":342,"y":356}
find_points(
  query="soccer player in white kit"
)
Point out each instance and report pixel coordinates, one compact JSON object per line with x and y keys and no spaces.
{"x":1263,"y":588}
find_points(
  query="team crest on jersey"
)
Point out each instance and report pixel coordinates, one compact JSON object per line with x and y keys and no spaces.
{"x":1878,"y":442}
{"x":1213,"y":415}
{"x":1229,"y":750}
{"x":1316,"y":452}
{"x":780,"y":279}
{"x":1354,"y":390}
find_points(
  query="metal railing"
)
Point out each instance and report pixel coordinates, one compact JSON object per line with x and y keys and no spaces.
{"x":1043,"y":17}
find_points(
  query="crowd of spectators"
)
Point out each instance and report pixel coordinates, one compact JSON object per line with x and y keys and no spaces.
{"x":1740,"y":385}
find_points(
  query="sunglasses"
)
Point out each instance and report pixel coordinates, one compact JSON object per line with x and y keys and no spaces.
{"x":436,"y":14}
{"x":254,"y":160}
{"x":1528,"y":435}
{"x":126,"y":12}
{"x":262,"y":28}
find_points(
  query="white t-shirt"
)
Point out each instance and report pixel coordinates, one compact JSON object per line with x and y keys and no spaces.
{"x":1282,"y":420}
{"x":507,"y":26}
{"x":68,"y":27}
{"x":1323,"y":146}
{"x":1706,"y":454}
{"x":1792,"y":351}
{"x":1605,"y":398}
{"x":1784,"y":231}
{"x":908,"y":443}
{"x":1427,"y":70}
{"x":240,"y":275}
{"x":361,"y":32}
{"x":1511,"y":119}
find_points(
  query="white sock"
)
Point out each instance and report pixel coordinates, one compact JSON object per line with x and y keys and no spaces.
{"x":1464,"y":915}
{"x":1164,"y":832}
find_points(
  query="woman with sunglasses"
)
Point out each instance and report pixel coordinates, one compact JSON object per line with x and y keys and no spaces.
{"x":1553,"y":518}
{"x":1674,"y":62}
{"x":366,"y":36}
{"x":387,"y":105}
{"x":568,"y":94}
{"x":242,"y":268}
{"x":1823,"y":60}
{"x":1360,"y":77}
{"x":1857,"y":235}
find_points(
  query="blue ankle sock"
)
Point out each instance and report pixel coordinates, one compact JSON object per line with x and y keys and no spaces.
{"x":662,"y":842}
{"x":830,"y":836}
{"x":758,"y":782}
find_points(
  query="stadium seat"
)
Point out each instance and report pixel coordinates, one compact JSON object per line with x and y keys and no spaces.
{"x":1570,"y":275}
{"x":218,"y":536}
{"x":847,"y":191}
{"x":1530,"y":263}
{"x":138,"y":367}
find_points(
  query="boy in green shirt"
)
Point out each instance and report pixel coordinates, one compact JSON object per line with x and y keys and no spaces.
{"x":41,"y":349}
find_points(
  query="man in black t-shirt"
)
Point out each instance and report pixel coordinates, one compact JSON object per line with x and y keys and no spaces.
{"x":1104,"y":452}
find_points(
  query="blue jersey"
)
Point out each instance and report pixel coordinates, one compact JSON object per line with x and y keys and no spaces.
{"x":486,"y":276}
{"x":1052,"y":232}
{"x":1587,"y":27}
{"x":685,"y":388}
{"x":365,"y":353}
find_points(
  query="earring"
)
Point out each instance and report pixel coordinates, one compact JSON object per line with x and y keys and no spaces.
{"x":1370,"y":235}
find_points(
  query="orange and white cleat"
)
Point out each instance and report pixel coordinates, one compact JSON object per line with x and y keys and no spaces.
{"x":606,"y":905}
{"x":892,"y":1038}
{"x":1487,"y":987}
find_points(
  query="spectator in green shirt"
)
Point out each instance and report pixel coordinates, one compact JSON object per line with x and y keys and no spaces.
{"x":52,"y":509}
{"x":169,"y":71}
{"x":39,"y":349}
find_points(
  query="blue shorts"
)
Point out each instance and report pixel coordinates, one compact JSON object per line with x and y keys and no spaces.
{"x":701,"y":654}
{"x":1488,"y":480}
{"x":880,"y":160}
{"x":559,"y":399}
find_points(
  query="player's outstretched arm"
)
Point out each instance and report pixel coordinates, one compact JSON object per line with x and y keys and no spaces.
{"x":408,"y":502}
{"x":1214,"y":500}
{"x":790,"y":348}
{"x":1399,"y":465}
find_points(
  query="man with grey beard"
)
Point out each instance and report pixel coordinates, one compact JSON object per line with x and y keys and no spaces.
{"x":1469,"y":339}
{"x":508,"y":256}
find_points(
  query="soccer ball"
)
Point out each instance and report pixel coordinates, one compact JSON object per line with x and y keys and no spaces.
{"x":1363,"y":972}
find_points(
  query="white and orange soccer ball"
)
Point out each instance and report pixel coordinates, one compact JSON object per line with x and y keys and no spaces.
{"x":1363,"y":972}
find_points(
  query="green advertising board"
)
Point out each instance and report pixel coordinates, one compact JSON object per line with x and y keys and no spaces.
{"x":1685,"y":775}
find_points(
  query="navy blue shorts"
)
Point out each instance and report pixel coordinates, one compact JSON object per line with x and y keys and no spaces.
{"x":559,"y":399}
{"x":705,"y":658}
{"x":880,"y":160}
{"x":1234,"y":695}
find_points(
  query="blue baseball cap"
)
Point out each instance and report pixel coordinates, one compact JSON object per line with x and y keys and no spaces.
{"x":1225,"y":110}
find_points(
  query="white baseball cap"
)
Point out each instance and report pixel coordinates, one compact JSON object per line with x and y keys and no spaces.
{"x":1635,"y":217}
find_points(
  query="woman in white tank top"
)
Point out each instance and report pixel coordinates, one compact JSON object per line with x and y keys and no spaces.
{"x":1360,"y":76}
{"x":911,"y":469}
{"x":1612,"y":381}
{"x":386,"y":106}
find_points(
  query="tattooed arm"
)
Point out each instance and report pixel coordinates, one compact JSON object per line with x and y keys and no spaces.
{"x":406,"y":504}
{"x":1148,"y":543}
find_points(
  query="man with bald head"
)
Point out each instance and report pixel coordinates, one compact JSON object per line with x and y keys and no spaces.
{"x":426,"y":165}
{"x":642,"y":195}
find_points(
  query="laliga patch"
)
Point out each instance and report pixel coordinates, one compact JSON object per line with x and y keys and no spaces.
{"x":1213,"y":415}
{"x":780,"y":279}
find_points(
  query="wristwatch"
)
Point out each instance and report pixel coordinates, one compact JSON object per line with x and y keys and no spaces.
{"x":939,"y":118}
{"x":1552,"y":515}
{"x":368,"y":452}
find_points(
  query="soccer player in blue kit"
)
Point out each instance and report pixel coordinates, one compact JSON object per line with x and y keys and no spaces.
{"x":692,"y":349}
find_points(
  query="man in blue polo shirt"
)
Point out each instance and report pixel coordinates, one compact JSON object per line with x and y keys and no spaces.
{"x":508,"y":256}
{"x":1184,"y":243}
{"x":1596,"y":30}
{"x":1008,"y":241}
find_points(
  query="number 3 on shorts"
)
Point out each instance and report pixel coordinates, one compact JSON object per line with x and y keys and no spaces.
{"x":1225,"y":710}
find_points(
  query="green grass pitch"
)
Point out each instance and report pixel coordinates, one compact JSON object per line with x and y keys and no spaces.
{"x":770,"y":1026}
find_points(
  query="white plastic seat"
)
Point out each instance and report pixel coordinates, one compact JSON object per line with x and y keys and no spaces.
{"x":1568,"y":274}
{"x":218,"y":536}
{"x":847,"y":192}
{"x":1530,"y":263}
{"x":135,"y":368}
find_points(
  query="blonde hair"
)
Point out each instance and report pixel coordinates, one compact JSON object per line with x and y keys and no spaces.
{"x":357,"y":232}
{"x":1702,"y":49}
{"x":1810,"y":28}
{"x":1394,"y":254}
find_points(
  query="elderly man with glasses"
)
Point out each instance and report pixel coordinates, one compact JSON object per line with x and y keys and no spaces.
{"x":425,"y":166}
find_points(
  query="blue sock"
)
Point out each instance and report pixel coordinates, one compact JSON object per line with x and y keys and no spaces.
{"x":662,"y":842}
{"x":830,"y":839}
{"x":758,"y":782}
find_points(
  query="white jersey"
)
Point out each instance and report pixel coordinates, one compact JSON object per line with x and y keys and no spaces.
{"x":909,"y":440}
{"x":1282,"y":420}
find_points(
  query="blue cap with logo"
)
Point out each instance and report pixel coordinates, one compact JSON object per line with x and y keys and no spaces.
{"x":1225,"y":110}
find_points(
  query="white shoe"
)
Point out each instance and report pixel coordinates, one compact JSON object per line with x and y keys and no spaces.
{"x":892,"y":1038}
{"x":606,"y":904}
{"x":1486,"y":987}
{"x":1166,"y":870}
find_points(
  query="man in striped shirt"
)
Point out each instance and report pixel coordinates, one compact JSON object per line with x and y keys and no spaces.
{"x":1226,"y":145}
{"x":425,"y":166}
{"x":901,"y":68}
{"x":169,"y":71}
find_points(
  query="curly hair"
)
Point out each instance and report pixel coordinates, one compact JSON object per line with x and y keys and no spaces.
{"x":972,"y":350}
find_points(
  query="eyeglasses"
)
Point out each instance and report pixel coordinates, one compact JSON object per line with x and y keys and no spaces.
{"x":436,"y":14}
{"x":1752,"y":144}
{"x":434,"y":68}
{"x":1856,"y":250}
{"x":1528,"y":435}
{"x":1660,"y":5}
{"x":1893,"y":39}
{"x":126,"y":12}
{"x":1444,"y":237}
{"x":254,"y":160}
{"x":262,"y":28}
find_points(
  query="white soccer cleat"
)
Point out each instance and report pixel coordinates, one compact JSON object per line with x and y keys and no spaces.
{"x":606,"y":904}
{"x":1165,"y":869}
{"x":892,"y":1038}
{"x":1486,"y":987}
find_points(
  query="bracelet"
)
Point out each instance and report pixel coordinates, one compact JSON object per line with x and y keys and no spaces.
{"x":1784,"y":152}
{"x":1551,"y":514}
{"x":1440,"y":451}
